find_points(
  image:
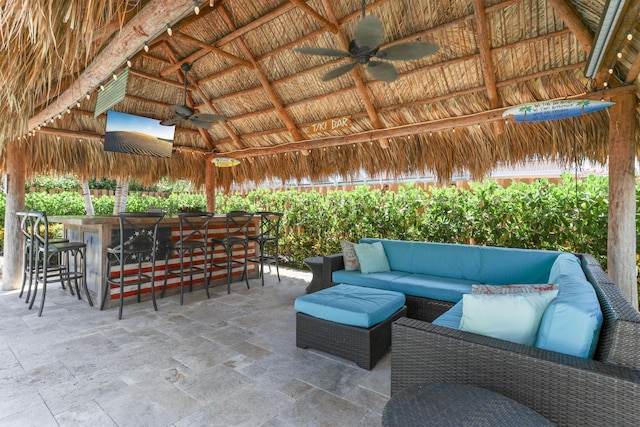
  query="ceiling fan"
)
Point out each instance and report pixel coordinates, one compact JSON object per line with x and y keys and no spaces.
{"x":183,"y":112}
{"x":364,"y":48}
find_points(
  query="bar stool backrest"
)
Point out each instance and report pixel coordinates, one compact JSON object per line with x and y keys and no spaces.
{"x":194,"y":226}
{"x":138,"y":235}
{"x":237,"y":224}
{"x":269,"y":225}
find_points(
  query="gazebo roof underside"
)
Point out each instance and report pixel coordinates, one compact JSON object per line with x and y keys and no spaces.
{"x":443,"y":114}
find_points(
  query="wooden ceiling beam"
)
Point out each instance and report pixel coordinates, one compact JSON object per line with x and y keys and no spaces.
{"x":266,"y":85}
{"x":188,"y":60}
{"x":403,"y":131}
{"x":634,"y":70}
{"x":420,"y":102}
{"x":570,"y":16}
{"x":486,"y":63}
{"x":357,"y":77}
{"x":275,"y":13}
{"x":449,"y":62}
{"x":333,"y":27}
{"x":132,"y":35}
{"x":156,"y":79}
{"x":213,"y":49}
{"x":71,"y":133}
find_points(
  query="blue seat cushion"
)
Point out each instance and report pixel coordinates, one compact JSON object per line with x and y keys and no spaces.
{"x":351,"y":305}
{"x":417,"y":285}
{"x":450,"y":318}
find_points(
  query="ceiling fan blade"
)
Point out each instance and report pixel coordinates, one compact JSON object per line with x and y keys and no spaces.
{"x":382,"y":71}
{"x":208,"y":118}
{"x":322,"y":51}
{"x":183,"y":111}
{"x":369,"y":32}
{"x":408,"y":51}
{"x":338,"y":71}
{"x":200,"y":124}
{"x":171,"y":122}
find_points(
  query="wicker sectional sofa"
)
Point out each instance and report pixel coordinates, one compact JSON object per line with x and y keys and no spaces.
{"x":566,"y":389}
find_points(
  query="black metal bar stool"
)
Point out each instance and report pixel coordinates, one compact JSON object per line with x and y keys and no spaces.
{"x":194,"y":239}
{"x":137,"y":245}
{"x":27,"y":223}
{"x":237,"y":225}
{"x":269,"y":235}
{"x":44,"y":251}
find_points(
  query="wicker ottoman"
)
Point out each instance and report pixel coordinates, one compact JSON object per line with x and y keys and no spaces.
{"x":351,"y":322}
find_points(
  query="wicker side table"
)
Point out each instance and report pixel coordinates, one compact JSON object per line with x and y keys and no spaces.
{"x":445,"y":404}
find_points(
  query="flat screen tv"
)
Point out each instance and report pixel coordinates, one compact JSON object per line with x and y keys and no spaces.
{"x":131,"y":134}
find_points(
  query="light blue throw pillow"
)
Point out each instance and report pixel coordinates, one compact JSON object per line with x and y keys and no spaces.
{"x":510,"y":317}
{"x":372,"y":257}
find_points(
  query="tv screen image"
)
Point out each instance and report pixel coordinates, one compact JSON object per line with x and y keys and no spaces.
{"x":131,"y":134}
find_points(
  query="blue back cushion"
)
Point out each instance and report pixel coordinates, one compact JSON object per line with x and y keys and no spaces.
{"x":571,"y":324}
{"x":482,"y":264}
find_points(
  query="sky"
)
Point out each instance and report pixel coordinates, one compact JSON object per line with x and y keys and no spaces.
{"x":128,"y":122}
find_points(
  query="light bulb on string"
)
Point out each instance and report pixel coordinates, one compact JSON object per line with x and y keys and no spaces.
{"x":128,"y":62}
{"x":115,"y":76}
{"x":169,"y":30}
{"x":146,"y":47}
{"x":629,"y":36}
{"x":102,"y":88}
{"x":211,"y":3}
{"x":196,"y":8}
{"x":88,"y":96}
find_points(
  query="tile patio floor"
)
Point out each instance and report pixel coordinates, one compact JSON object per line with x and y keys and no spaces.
{"x":227,"y":361}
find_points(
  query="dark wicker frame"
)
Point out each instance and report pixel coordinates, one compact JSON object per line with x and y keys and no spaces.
{"x":565,"y":389}
{"x":364,"y":346}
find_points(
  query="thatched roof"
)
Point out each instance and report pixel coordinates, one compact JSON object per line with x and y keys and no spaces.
{"x":442,"y":115}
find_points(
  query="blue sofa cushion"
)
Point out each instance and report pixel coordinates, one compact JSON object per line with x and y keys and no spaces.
{"x":434,"y":287}
{"x":417,"y":285}
{"x":351,"y":305}
{"x":571,"y":324}
{"x":450,"y":318}
{"x":482,"y":264}
{"x":374,"y":280}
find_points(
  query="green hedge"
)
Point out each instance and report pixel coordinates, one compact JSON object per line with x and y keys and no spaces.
{"x":540,"y":215}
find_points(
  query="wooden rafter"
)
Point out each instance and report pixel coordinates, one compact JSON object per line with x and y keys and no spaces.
{"x":154,"y":16}
{"x":357,"y":77}
{"x":403,"y":131}
{"x":632,"y":75}
{"x":420,"y":102}
{"x":484,"y":46}
{"x":315,"y":15}
{"x":572,"y":19}
{"x":217,"y":51}
{"x":271,"y":93}
{"x":181,"y":77}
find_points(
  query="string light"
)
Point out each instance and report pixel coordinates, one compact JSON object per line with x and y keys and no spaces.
{"x":629,"y":36}
{"x":196,"y":8}
{"x":169,"y":30}
{"x":211,"y":3}
{"x":619,"y":55}
{"x":115,"y":76}
{"x":78,"y":104}
{"x":88,"y":96}
{"x":129,"y":62}
{"x":146,"y":47}
{"x":102,"y":87}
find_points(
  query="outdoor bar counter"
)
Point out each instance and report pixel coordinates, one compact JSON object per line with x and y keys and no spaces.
{"x":98,"y":232}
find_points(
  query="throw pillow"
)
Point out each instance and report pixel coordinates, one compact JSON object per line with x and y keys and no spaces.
{"x":511,"y":317}
{"x":512,"y":289}
{"x":372,"y":257}
{"x":351,"y":262}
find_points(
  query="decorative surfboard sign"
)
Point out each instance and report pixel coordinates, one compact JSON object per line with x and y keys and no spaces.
{"x":555,"y":110}
{"x":225,"y":162}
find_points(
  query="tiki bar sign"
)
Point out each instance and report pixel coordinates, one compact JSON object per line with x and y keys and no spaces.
{"x":330,"y":124}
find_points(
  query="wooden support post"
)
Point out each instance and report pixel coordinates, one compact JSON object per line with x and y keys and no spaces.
{"x":210,"y":185}
{"x":621,"y":244}
{"x":13,"y":240}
